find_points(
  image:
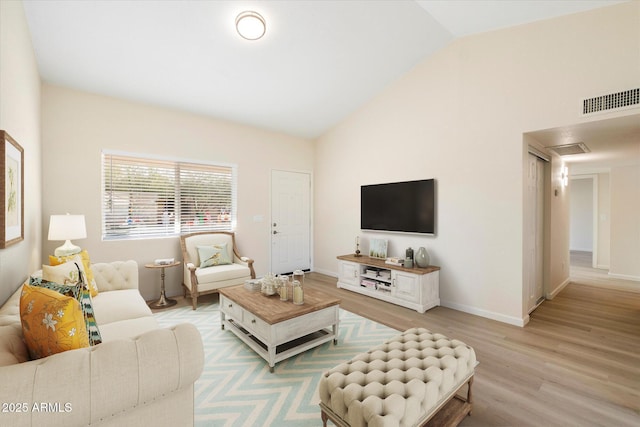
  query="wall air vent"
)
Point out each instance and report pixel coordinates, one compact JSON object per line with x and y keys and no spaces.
{"x":568,"y":149}
{"x":613,"y":101}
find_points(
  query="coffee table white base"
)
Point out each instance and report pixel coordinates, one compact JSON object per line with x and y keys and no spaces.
{"x":281,"y":340}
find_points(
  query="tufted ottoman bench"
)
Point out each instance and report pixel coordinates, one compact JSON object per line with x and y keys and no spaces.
{"x":410,"y":380}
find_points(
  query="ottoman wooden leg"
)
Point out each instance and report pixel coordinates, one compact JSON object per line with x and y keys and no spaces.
{"x":470,"y":396}
{"x":324,"y":418}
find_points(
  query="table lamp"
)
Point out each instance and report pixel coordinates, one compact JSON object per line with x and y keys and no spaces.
{"x":67,"y":227}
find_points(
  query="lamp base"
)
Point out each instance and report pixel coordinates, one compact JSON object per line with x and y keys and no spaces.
{"x":67,"y":249}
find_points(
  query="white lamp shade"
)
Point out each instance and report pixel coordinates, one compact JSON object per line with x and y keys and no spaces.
{"x":67,"y":227}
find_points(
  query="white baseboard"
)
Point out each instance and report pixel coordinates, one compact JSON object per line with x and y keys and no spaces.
{"x":486,"y":313}
{"x":326,"y":272}
{"x":460,"y":307}
{"x":602,"y":266}
{"x":556,"y":291}
{"x":624,"y":277}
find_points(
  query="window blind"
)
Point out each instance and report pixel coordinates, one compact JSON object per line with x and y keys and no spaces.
{"x":146,"y":197}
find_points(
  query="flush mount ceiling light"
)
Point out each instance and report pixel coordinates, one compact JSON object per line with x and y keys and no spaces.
{"x":251,"y":25}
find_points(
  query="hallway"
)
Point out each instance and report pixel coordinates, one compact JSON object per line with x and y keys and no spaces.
{"x":582,"y":272}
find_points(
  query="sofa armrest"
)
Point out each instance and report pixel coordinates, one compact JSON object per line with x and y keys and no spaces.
{"x":94,"y":385}
{"x":117,"y":275}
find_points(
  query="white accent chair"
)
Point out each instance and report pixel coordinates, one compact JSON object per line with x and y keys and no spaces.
{"x":200,"y":281}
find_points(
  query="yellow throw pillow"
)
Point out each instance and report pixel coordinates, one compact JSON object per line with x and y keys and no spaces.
{"x":51,"y":322}
{"x":86,"y":263}
{"x":79,"y":292}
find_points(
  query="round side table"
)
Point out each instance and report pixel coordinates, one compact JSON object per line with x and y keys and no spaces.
{"x":163,"y":302}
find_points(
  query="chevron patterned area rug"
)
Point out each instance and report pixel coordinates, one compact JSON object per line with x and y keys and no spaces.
{"x":236,"y":388}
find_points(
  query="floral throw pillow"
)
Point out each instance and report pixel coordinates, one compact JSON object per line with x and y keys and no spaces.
{"x":51,"y":322}
{"x":80,"y":292}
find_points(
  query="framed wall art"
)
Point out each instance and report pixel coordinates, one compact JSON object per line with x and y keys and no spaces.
{"x":11,"y":191}
{"x":378,"y":248}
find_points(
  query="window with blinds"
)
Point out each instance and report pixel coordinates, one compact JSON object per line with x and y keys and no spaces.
{"x":145,"y":197}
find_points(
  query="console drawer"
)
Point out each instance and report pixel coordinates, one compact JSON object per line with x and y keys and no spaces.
{"x":231,"y":308}
{"x":255,"y":324}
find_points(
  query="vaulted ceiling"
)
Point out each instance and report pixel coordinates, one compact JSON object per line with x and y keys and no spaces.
{"x":318,"y":62}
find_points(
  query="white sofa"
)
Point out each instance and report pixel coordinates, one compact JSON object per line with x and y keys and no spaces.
{"x":139,"y":375}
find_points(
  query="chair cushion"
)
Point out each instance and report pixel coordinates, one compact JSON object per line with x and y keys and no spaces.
{"x":221,"y":273}
{"x":192,"y":243}
{"x":213,"y":255}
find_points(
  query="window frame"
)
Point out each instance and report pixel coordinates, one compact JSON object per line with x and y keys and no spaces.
{"x":178,"y":227}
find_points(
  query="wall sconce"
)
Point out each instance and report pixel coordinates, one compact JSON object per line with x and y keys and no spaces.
{"x":565,"y":176}
{"x":67,"y":227}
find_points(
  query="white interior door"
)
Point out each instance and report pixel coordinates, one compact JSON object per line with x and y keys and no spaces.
{"x":534,"y":217}
{"x":290,"y":221}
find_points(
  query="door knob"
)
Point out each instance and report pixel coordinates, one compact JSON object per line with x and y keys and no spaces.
{"x":274,"y":224}
{"x":275,"y":232}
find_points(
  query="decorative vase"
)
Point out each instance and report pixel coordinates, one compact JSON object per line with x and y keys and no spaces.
{"x":422,"y":257}
{"x":408,"y":253}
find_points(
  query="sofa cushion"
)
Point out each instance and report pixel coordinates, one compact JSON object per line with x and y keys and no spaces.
{"x":128,"y":328}
{"x":221,"y":273}
{"x":86,"y":263}
{"x":66,"y":273}
{"x":114,"y":306}
{"x":12,"y":347}
{"x":116,"y":275}
{"x":51,"y":322}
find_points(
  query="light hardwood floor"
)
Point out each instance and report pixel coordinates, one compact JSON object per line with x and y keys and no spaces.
{"x":582,"y":272}
{"x":577,"y":362}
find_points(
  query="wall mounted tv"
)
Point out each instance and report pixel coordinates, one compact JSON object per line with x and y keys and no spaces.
{"x":408,"y":207}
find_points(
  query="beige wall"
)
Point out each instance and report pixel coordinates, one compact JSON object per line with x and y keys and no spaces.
{"x":20,"y":117}
{"x":625,"y":222}
{"x":602,"y":234}
{"x":582,"y":212}
{"x":77,"y":126}
{"x":459,"y":117}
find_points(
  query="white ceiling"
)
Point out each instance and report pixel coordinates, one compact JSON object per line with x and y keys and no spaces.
{"x":319,"y":61}
{"x":612,"y":143}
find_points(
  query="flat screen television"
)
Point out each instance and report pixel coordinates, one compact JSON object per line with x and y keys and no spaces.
{"x":408,"y":207}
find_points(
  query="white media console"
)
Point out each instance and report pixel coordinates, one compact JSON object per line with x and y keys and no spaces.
{"x":416,"y":288}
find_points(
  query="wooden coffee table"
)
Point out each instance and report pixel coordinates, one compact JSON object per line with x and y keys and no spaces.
{"x":277,"y":330}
